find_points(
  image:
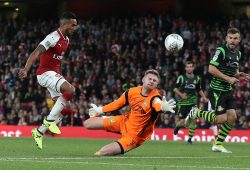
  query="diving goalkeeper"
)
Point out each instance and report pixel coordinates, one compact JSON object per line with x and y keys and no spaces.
{"x":137,"y":125}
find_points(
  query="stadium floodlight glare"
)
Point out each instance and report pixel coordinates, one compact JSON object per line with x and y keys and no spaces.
{"x":6,"y":3}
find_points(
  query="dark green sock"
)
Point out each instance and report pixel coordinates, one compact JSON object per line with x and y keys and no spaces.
{"x":206,"y":115}
{"x":224,"y":131}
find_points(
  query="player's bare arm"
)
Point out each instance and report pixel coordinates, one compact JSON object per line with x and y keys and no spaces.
{"x":243,"y":75}
{"x":217,"y":73}
{"x":32,"y":58}
{"x":201,"y":93}
{"x":179,"y":93}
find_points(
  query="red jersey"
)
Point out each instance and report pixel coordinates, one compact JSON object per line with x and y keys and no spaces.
{"x":56,"y":45}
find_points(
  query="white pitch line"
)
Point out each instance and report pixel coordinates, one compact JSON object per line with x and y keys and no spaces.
{"x":123,"y":157}
{"x":136,"y":165}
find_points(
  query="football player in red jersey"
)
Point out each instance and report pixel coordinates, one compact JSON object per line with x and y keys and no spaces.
{"x":51,"y":51}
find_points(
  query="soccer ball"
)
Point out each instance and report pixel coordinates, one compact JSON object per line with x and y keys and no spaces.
{"x":174,"y":43}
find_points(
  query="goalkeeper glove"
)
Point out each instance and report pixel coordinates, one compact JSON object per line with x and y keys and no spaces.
{"x":94,"y":110}
{"x":168,"y":106}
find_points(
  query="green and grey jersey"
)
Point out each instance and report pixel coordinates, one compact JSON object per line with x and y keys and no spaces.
{"x":190,"y":86}
{"x":227,"y":62}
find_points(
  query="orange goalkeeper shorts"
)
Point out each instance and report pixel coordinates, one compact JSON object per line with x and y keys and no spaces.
{"x":116,"y":124}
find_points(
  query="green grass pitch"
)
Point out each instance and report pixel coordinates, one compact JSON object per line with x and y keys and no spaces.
{"x":60,"y":153}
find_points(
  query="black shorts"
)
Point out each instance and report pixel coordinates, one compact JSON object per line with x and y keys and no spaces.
{"x":221,"y":101}
{"x":183,"y":110}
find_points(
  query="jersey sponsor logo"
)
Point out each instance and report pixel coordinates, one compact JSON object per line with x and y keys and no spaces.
{"x":233,"y":64}
{"x":57,"y":57}
{"x":190,"y":86}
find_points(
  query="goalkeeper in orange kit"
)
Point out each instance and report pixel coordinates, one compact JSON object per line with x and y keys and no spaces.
{"x":137,"y":125}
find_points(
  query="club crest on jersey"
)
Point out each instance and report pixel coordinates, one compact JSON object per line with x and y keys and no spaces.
{"x":111,"y":120}
{"x":145,"y":103}
{"x":220,"y":108}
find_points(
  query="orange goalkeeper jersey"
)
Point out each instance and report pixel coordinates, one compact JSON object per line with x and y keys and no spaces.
{"x":143,"y":111}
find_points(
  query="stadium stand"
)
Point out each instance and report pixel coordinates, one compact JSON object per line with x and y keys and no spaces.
{"x":101,"y":73}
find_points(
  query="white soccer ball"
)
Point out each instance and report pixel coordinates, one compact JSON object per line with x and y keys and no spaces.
{"x":174,"y":43}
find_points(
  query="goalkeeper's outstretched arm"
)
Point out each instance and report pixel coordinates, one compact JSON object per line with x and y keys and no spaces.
{"x":115,"y":105}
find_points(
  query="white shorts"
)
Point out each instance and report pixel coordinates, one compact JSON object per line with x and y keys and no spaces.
{"x":52,"y":81}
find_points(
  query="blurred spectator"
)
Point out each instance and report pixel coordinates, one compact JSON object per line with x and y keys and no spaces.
{"x":111,"y":55}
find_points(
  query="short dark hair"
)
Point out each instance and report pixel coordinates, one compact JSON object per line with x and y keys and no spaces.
{"x":233,"y":30}
{"x":189,"y":62}
{"x":152,"y":71}
{"x":68,"y":15}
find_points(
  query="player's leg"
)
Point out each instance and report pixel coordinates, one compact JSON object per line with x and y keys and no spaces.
{"x":111,"y":124}
{"x":123,"y":145}
{"x":67,"y":91}
{"x":209,"y":116}
{"x":191,"y":128}
{"x":43,"y":129}
{"x":214,"y":128}
{"x":94,"y":123}
{"x":44,"y":80}
{"x":225,"y":129}
{"x":58,"y":86}
{"x":206,"y":115}
{"x":38,"y":137}
{"x":114,"y":148}
{"x":38,"y":133}
{"x":227,"y":126}
{"x":183,"y":111}
{"x":225,"y":105}
{"x":55,"y":84}
{"x":231,"y":119}
{"x":181,"y":123}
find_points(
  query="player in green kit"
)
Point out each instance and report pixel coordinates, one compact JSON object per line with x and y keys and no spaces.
{"x":187,"y":87}
{"x":224,"y":66}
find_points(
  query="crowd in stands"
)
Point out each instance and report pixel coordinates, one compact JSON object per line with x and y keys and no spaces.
{"x":109,"y":55}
